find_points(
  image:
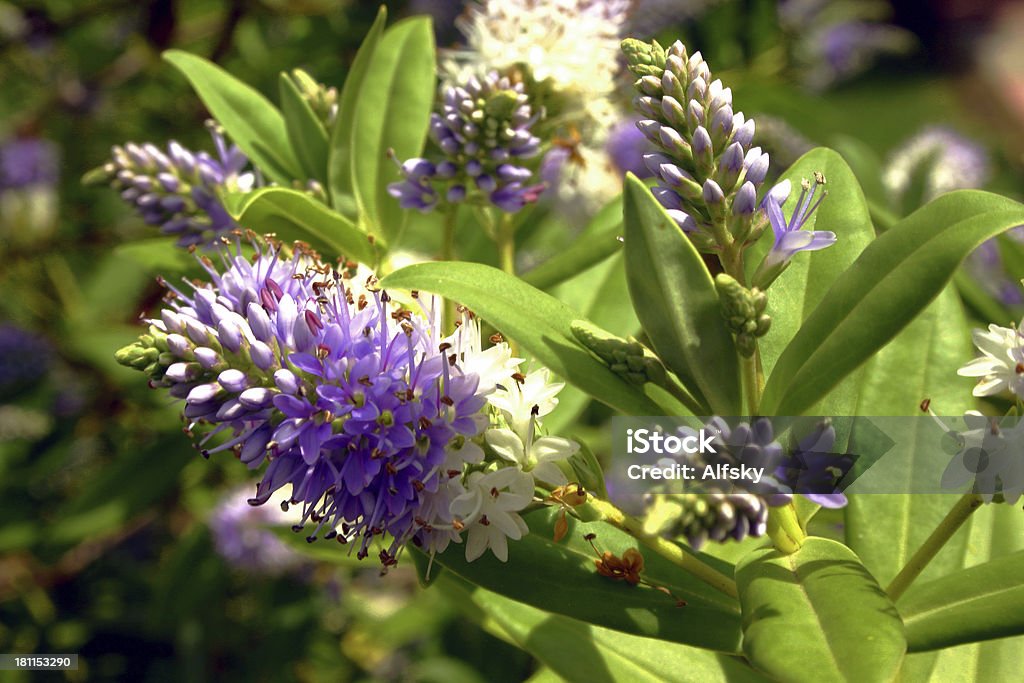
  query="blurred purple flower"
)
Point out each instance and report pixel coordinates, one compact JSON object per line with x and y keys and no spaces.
{"x":27,"y":162}
{"x":627,"y":146}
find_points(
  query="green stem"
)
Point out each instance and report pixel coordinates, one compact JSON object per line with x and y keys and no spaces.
{"x":448,"y":254}
{"x":506,"y":239}
{"x":785,"y":530}
{"x":956,"y":517}
{"x":607,"y":512}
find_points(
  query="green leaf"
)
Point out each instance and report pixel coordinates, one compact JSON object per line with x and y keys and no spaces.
{"x":392,"y":113}
{"x":582,"y":652}
{"x":561,"y":578}
{"x":252,"y":122}
{"x":675,"y":298}
{"x":979,"y":603}
{"x":800,"y":288}
{"x":339,"y":161}
{"x":305,"y":132}
{"x":888,"y":285}
{"x":886,"y":529}
{"x":294,"y":215}
{"x":995,"y":531}
{"x":537,"y":321}
{"x":817,"y":615}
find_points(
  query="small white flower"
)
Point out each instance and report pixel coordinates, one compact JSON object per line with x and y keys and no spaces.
{"x":1001,"y":366}
{"x":494,"y":365}
{"x":520,"y":400}
{"x":572,"y":45}
{"x":536,"y":457}
{"x":489,"y":510}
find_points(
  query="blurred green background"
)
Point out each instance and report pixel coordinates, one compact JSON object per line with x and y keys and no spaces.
{"x":117,"y":541}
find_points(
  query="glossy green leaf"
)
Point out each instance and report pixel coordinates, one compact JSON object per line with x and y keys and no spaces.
{"x":294,"y":215}
{"x":800,"y":288}
{"x":995,"y":531}
{"x":888,"y":285}
{"x":886,"y":529}
{"x":818,"y":615}
{"x":251,"y":121}
{"x":537,"y":321}
{"x":305,"y":132}
{"x":339,"y":161}
{"x":921,"y":362}
{"x":675,"y":298}
{"x":978,"y":603}
{"x":582,"y":652}
{"x":561,"y":578}
{"x":392,"y":113}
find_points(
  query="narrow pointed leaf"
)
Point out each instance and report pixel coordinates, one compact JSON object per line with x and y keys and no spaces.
{"x":584,"y":652}
{"x":979,"y":603}
{"x":561,"y":578}
{"x":293,"y":215}
{"x":537,"y":321}
{"x":392,"y":113}
{"x":885,"y":288}
{"x":675,"y":298}
{"x":305,"y":132}
{"x":342,"y":135}
{"x":250,"y":120}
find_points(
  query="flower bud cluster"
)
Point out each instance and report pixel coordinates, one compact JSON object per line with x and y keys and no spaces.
{"x":482,"y":137}
{"x":628,"y":359}
{"x":743,"y":310}
{"x":712,"y":516}
{"x":709,"y":172}
{"x":323,"y":100}
{"x":177,"y":190}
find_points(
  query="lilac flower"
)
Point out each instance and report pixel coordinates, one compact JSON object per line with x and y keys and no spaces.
{"x":482,"y":136}
{"x":355,"y":405}
{"x":27,"y":162}
{"x":177,"y":190}
{"x":789,"y":236}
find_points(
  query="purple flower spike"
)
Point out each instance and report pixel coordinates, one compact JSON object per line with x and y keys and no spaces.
{"x":353,"y":405}
{"x":482,"y":135}
{"x":178,"y":191}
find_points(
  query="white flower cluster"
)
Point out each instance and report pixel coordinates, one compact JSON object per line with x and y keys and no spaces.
{"x":513,"y":460}
{"x":571,"y":48}
{"x":1001,"y":365}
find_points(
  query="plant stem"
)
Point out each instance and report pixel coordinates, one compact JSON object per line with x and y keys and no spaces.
{"x":670,"y":551}
{"x":506,"y":240}
{"x":448,"y":254}
{"x":953,"y":520}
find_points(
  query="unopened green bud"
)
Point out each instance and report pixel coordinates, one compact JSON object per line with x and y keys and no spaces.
{"x":502,"y":104}
{"x":629,"y":359}
{"x":743,"y":310}
{"x":644,"y":59}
